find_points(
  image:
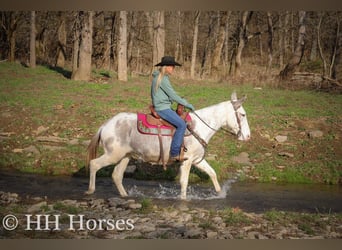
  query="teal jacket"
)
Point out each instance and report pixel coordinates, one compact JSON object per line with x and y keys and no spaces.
{"x":164,"y":96}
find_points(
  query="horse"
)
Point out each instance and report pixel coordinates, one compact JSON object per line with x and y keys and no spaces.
{"x":122,"y":141}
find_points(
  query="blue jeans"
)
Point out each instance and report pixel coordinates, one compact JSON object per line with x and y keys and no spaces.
{"x":180,"y":125}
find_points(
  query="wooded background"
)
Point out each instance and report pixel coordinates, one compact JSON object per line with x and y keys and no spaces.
{"x":216,"y":45}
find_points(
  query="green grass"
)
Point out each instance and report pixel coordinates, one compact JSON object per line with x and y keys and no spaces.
{"x":44,"y":97}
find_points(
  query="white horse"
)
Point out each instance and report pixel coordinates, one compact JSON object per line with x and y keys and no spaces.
{"x":121,"y":141}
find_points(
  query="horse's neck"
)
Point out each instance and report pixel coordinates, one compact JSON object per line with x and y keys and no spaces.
{"x":211,"y":119}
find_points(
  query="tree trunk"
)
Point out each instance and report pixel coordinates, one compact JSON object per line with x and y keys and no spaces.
{"x":269,"y":41}
{"x":226,"y":47}
{"x":33,"y":40}
{"x":320,"y":46}
{"x":281,"y":42}
{"x":313,"y":52}
{"x":296,"y":58}
{"x":292,"y":33}
{"x":10,"y":23}
{"x":62,"y":40}
{"x":336,"y":69}
{"x":337,"y":43}
{"x":216,"y":57}
{"x":286,"y":35}
{"x":245,"y":17}
{"x":108,"y":23}
{"x":122,"y":49}
{"x":260,"y":47}
{"x":132,"y":38}
{"x":76,"y":43}
{"x":194,"y":45}
{"x":178,"y":50}
{"x":158,"y":36}
{"x":83,"y":71}
{"x":206,"y":50}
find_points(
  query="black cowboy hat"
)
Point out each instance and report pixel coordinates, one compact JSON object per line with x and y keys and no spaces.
{"x":168,"y":61}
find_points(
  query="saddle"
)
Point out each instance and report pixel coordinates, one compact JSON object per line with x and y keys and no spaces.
{"x":153,"y":124}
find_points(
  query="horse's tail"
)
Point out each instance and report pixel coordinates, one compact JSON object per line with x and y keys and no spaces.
{"x":92,"y":148}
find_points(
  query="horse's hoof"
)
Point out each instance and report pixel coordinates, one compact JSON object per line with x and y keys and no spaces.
{"x":89,"y":192}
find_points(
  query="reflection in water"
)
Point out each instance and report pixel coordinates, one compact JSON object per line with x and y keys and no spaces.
{"x":251,"y":197}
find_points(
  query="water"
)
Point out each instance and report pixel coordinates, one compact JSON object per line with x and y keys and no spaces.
{"x":251,"y":197}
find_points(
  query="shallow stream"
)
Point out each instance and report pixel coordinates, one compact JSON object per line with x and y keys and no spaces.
{"x":250,"y":197}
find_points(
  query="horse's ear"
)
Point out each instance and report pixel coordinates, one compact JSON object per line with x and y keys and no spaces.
{"x":233,"y":97}
{"x":237,"y":104}
{"x":243,"y":99}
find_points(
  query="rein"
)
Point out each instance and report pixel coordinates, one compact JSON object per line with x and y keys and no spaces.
{"x":224,"y":130}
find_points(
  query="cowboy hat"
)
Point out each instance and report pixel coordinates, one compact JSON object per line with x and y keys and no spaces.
{"x":168,"y":61}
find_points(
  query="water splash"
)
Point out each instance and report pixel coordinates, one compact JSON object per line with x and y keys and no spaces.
{"x":172,"y":191}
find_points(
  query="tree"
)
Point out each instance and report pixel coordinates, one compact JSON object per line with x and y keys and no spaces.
{"x":296,"y":58}
{"x":132,"y":38}
{"x":62,"y":41}
{"x":281,"y":42}
{"x":206,"y":48}
{"x":269,"y":41}
{"x":82,"y":63}
{"x":215,"y":61}
{"x":10,"y":22}
{"x":158,"y":36}
{"x":336,"y":72}
{"x":33,"y":40}
{"x":330,"y":68}
{"x":194,"y":45}
{"x":243,"y":39}
{"x":122,"y":49}
{"x":178,"y":49}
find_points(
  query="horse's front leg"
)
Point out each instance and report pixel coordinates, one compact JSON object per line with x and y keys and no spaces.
{"x":184,"y":177}
{"x":204,"y":166}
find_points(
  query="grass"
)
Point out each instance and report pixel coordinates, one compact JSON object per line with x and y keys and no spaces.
{"x":235,"y":216}
{"x":30,"y":98}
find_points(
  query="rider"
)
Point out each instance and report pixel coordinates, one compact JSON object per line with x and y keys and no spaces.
{"x":163,"y":95}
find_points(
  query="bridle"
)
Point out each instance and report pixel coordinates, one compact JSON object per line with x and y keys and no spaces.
{"x":202,"y":141}
{"x":224,"y":130}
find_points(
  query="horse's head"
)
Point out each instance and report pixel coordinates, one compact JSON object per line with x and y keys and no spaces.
{"x":238,"y":121}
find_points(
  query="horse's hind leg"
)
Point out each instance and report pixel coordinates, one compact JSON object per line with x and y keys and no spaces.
{"x":96,"y":165}
{"x":117,"y":175}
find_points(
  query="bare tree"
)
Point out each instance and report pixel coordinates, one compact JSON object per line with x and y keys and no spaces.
{"x":206,"y":50}
{"x":269,"y":41}
{"x":158,"y":36}
{"x":122,"y":49}
{"x":33,"y":40}
{"x":242,"y":33}
{"x":178,"y":49}
{"x":194,"y":45}
{"x":83,"y":60}
{"x":132,"y":38}
{"x":336,"y":68}
{"x":9,"y":23}
{"x":62,"y":40}
{"x":281,"y":41}
{"x":296,"y":58}
{"x":216,"y":57}
{"x":330,"y":68}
